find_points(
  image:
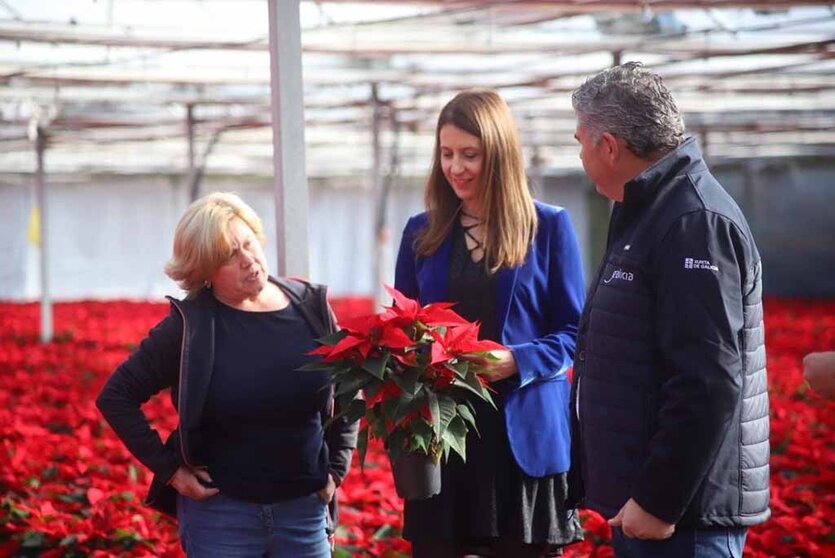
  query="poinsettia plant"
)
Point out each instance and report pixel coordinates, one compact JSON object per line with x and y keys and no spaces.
{"x":417,"y":368}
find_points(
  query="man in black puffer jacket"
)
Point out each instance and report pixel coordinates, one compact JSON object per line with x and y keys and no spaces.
{"x":670,"y":403}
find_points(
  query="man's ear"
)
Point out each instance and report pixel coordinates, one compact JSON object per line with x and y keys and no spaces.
{"x":611,"y":148}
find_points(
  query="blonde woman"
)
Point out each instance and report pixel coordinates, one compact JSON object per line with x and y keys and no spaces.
{"x":512,"y":264}
{"x":250,"y":470}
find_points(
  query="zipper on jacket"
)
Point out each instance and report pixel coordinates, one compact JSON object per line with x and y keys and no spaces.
{"x":330,"y":327}
{"x":180,"y":387}
{"x":581,"y":357}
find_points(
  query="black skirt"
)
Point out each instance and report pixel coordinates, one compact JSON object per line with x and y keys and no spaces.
{"x":490,"y":497}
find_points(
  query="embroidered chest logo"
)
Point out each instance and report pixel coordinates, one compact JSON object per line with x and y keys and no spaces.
{"x":692,"y":263}
{"x":620,"y":275}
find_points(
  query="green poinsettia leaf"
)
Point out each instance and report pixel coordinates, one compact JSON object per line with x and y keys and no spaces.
{"x":344,"y":366}
{"x":422,"y":429}
{"x":407,"y":405}
{"x":476,"y":389}
{"x":458,"y":427}
{"x":407,"y":379}
{"x":391,"y":407}
{"x":460,"y":368}
{"x":315,"y":365}
{"x":372,"y":389}
{"x":343,"y":401}
{"x":385,"y":532}
{"x":354,"y":411}
{"x":335,"y":368}
{"x":448,"y":411}
{"x":351,"y":385}
{"x":362,"y":446}
{"x":420,"y":443}
{"x":472,"y":380}
{"x":333,"y":338}
{"x":396,"y":442}
{"x":377,"y":366}
{"x":377,"y":424}
{"x":466,"y":413}
{"x":434,"y":412}
{"x":456,"y":436}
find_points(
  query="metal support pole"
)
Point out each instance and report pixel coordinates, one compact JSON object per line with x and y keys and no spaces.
{"x":379,"y":201}
{"x":198,"y":171}
{"x":290,"y":180}
{"x":47,"y":332}
{"x":192,"y":167}
{"x":393,"y":173}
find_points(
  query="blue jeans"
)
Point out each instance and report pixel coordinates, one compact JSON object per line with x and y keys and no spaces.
{"x":685,"y":543}
{"x":220,"y":527}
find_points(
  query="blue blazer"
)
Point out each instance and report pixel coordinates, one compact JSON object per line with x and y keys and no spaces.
{"x":539,"y":306}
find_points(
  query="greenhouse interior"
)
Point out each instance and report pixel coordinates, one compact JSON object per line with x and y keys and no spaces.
{"x":116,"y":115}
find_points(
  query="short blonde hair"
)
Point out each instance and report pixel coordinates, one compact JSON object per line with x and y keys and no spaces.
{"x":201,"y":243}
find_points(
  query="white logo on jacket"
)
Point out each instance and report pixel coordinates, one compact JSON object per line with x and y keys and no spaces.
{"x":620,"y":274}
{"x":693,"y":263}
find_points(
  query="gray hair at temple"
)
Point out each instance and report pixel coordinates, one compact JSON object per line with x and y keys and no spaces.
{"x":633,"y":104}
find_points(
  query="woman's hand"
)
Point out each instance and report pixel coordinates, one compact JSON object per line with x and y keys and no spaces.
{"x":326,"y":494}
{"x":186,"y":481}
{"x":502,"y":366}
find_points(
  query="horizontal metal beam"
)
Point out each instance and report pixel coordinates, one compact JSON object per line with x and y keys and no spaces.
{"x":501,"y":45}
{"x":586,"y":6}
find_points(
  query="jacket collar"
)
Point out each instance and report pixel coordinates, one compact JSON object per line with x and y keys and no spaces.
{"x":204,"y":298}
{"x":684,"y":159}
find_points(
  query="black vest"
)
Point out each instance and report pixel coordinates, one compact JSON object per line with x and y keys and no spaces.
{"x":670,"y":402}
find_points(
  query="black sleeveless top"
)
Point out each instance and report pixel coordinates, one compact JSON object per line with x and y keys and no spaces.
{"x":472,"y":287}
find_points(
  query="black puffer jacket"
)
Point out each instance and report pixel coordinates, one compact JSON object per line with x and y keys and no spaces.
{"x":670,"y":377}
{"x":177,"y":353}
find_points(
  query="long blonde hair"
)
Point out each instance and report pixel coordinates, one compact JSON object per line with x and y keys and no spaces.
{"x":201,"y":243}
{"x":508,"y":212}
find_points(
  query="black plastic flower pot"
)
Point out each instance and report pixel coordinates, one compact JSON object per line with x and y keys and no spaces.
{"x":416,"y":476}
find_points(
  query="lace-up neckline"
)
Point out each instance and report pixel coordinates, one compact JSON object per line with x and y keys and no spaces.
{"x":468,"y":231}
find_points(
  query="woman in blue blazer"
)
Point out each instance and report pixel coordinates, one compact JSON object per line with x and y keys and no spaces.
{"x":513,"y":265}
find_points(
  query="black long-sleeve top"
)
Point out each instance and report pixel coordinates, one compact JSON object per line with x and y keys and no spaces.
{"x":262,"y":434}
{"x":179,"y":354}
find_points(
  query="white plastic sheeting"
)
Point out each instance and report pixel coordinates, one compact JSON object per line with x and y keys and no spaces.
{"x":111,"y":236}
{"x":112,"y":241}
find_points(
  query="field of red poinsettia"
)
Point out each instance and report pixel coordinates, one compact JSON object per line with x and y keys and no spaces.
{"x":69,"y":488}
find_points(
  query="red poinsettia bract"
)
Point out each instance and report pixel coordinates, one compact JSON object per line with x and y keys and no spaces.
{"x":417,"y":367}
{"x":68,"y":487}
